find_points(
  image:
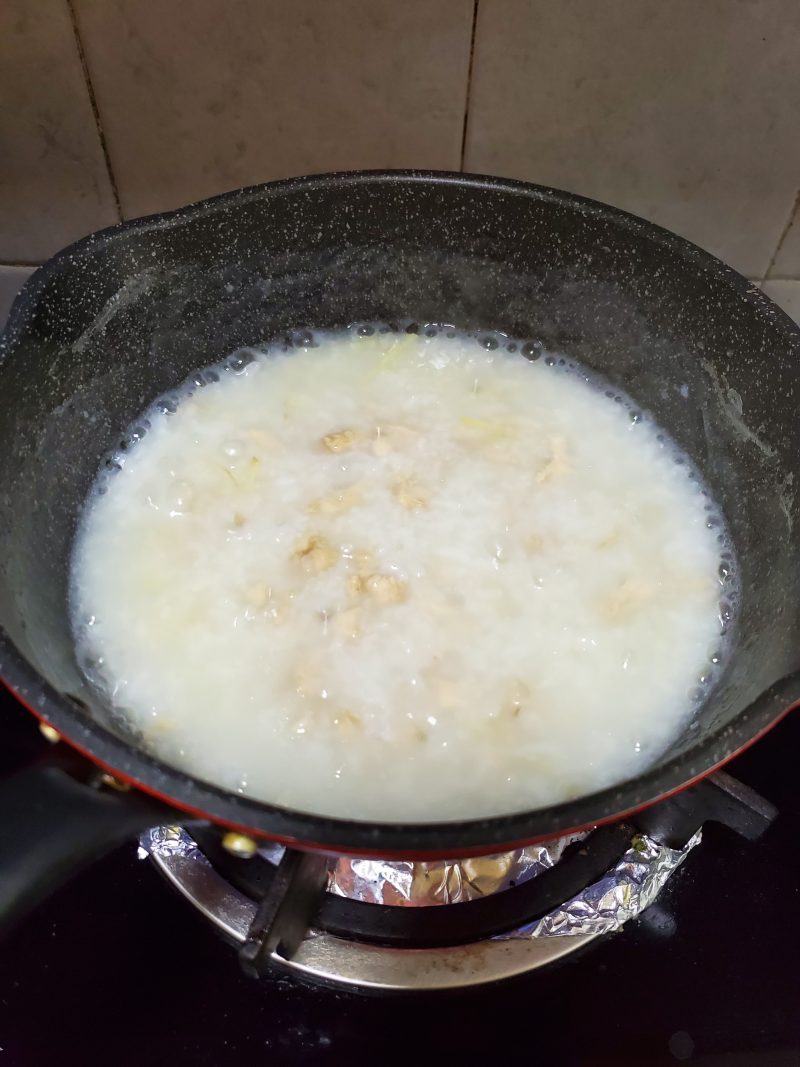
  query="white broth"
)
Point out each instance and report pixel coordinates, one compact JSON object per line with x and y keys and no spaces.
{"x":401,"y":577}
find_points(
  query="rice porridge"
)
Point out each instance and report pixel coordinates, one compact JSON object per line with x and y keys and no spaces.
{"x":393,"y":576}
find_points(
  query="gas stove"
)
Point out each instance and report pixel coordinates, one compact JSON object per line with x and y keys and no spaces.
{"x":118,"y":966}
{"x":450,"y":924}
{"x":375,"y":925}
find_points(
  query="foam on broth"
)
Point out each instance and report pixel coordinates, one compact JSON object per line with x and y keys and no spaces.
{"x":402,"y":576}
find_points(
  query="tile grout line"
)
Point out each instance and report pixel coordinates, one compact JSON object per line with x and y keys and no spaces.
{"x":469,"y":84}
{"x":95,"y":110}
{"x":787,"y":226}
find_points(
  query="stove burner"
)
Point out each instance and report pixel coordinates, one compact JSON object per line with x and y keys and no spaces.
{"x":416,"y":927}
{"x":330,"y":960}
{"x":281,"y":916}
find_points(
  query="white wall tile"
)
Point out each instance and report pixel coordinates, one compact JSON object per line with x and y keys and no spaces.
{"x":686,"y":112}
{"x":787,"y":261}
{"x":54,"y":186}
{"x":202,"y":96}
{"x":786,"y":294}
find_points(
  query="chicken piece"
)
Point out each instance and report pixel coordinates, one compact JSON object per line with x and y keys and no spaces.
{"x":624,"y":601}
{"x":363,"y":559}
{"x":257,"y":594}
{"x":516,"y":702}
{"x":380,"y":446}
{"x":160,"y":727}
{"x":410,"y":733}
{"x":518,"y":698}
{"x":336,"y":503}
{"x":262,"y":597}
{"x":341,"y":441}
{"x":611,"y":539}
{"x":306,"y":679}
{"x":263,"y":438}
{"x":347,"y":721}
{"x":448,"y":693}
{"x":348,"y":623}
{"x":355,"y":585}
{"x":409,"y":495}
{"x":446,"y":690}
{"x":386,"y":588}
{"x":557,"y":466}
{"x":315,"y":555}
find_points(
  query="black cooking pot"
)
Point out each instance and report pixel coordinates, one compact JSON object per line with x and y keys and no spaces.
{"x":118,"y":318}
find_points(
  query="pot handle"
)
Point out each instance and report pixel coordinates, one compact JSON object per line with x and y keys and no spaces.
{"x":52,"y":826}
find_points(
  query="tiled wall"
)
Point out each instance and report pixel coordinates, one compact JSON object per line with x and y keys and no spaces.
{"x":686,"y":112}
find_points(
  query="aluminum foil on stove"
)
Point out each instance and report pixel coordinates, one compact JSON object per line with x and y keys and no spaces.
{"x":168,"y":841}
{"x":415,"y":884}
{"x":623,"y":892}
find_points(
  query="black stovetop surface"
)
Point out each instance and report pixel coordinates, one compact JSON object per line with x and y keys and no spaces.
{"x":117,"y":969}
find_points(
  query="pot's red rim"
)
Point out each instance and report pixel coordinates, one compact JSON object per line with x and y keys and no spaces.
{"x":396,"y":854}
